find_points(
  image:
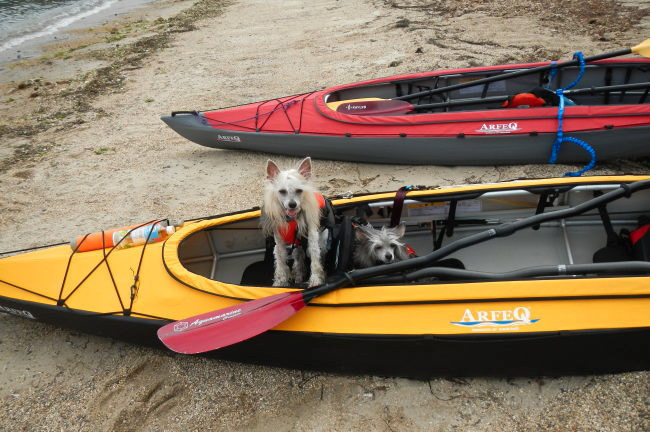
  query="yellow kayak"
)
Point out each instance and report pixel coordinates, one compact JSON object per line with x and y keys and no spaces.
{"x":570,"y":294}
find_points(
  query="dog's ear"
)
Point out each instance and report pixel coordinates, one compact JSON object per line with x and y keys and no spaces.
{"x":272,"y":170}
{"x":360,"y":234}
{"x":305,"y":167}
{"x":399,"y":230}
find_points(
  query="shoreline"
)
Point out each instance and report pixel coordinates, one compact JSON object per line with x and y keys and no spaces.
{"x":70,"y":55}
{"x":31,"y":45}
{"x":57,"y":91}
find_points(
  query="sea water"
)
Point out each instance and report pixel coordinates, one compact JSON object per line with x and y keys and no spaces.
{"x":24,"y":24}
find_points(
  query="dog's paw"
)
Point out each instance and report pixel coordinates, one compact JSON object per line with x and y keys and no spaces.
{"x":315,"y":281}
{"x":299,"y":273}
{"x":281,"y":282}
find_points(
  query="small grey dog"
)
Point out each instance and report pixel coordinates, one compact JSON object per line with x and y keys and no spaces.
{"x":378,"y":246}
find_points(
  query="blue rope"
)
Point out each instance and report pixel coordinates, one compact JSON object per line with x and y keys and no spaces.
{"x":560,"y":138}
{"x":553,"y":73}
{"x":581,"y":59}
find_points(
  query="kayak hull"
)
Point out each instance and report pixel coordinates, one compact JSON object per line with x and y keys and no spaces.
{"x":533,"y":302}
{"x":609,"y":110}
{"x":495,"y":149}
{"x":551,"y":353}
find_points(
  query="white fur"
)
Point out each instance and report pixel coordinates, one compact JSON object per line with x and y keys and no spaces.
{"x":378,"y":246}
{"x":289,"y":193}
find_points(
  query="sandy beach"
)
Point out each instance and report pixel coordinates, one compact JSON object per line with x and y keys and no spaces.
{"x":83,"y":148}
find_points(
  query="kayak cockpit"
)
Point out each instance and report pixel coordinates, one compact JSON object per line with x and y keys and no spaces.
{"x":236,"y":252}
{"x":604,"y":83}
{"x":223,"y":252}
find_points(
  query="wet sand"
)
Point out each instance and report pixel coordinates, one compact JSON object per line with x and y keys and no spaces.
{"x":83,"y":149}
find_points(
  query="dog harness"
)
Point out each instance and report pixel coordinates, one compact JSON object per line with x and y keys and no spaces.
{"x":289,"y":231}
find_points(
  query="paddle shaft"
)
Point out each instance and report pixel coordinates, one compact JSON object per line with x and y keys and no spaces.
{"x":502,"y":230}
{"x":623,"y":267}
{"x":514,"y":74}
{"x":477,"y":101}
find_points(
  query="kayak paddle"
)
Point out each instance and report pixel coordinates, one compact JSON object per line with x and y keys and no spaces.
{"x":376,"y":106}
{"x":197,"y":334}
{"x":223,"y":327}
{"x":642,"y":49}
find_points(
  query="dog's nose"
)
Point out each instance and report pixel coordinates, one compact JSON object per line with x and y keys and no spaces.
{"x":292,"y":204}
{"x":389,"y":257}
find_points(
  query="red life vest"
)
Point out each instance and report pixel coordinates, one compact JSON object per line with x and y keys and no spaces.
{"x":524,"y":99}
{"x":289,"y":231}
{"x":410,"y":251}
{"x":639,"y":233}
{"x":640,"y":238}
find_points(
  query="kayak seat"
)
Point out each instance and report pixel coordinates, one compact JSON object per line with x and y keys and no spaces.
{"x":618,"y":248}
{"x":259,"y":273}
{"x":339,"y":257}
{"x":627,"y":246}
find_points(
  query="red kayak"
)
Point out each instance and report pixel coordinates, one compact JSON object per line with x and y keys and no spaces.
{"x":477,"y":116}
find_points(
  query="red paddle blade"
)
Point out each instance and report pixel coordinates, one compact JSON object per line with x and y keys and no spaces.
{"x":223,"y":327}
{"x":375,"y":107}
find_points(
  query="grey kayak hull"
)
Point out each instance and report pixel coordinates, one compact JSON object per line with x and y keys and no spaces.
{"x":497,"y":149}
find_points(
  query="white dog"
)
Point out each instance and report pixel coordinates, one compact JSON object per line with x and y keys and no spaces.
{"x":379,"y":246}
{"x":292,"y":211}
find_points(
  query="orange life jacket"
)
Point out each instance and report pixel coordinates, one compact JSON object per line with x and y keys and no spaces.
{"x":289,"y":231}
{"x":523,"y":99}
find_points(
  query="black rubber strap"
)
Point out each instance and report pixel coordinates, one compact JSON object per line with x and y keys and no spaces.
{"x":612,"y":237}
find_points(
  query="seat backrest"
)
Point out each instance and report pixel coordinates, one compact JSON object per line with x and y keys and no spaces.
{"x":339,"y":258}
